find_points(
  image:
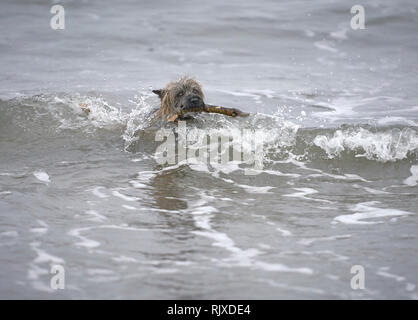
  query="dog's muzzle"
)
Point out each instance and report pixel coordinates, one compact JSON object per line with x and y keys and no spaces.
{"x":193,"y":102}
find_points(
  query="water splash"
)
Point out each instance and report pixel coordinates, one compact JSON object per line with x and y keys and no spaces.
{"x":389,"y":145}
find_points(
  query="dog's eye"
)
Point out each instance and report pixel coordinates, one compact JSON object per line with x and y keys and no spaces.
{"x":180,"y":94}
{"x":195,"y":91}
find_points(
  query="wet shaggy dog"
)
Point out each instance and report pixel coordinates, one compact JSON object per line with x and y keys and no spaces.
{"x":184,"y":96}
{"x":178,"y":99}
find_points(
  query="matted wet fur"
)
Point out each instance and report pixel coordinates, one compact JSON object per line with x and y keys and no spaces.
{"x":178,"y":96}
{"x":183,"y":96}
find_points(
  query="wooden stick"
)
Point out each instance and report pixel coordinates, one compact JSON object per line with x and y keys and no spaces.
{"x":232,"y":112}
{"x":208,"y":108}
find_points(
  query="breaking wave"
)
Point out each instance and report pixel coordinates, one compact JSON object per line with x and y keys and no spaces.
{"x":57,"y":115}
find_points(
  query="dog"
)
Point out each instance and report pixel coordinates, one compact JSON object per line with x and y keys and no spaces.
{"x":178,"y":99}
{"x":184,"y":96}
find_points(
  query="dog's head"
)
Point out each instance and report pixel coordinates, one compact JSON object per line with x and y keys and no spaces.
{"x":179,"y":96}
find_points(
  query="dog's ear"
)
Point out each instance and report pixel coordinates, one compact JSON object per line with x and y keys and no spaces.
{"x":159,"y":92}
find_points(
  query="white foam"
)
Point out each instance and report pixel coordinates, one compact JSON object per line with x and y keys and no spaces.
{"x":137,"y":185}
{"x":277,"y":173}
{"x":85,"y":242}
{"x":89,"y":243}
{"x":164,"y":270}
{"x":320,"y":173}
{"x":43,"y":256}
{"x":238,"y":93}
{"x":42,"y":223}
{"x":250,"y":140}
{"x":340,"y":34}
{"x":309,"y":33}
{"x":371,"y":190}
{"x":42,"y":176}
{"x":308,"y":242}
{"x":203,"y":222}
{"x":291,"y":287}
{"x":122,"y":259}
{"x":325,"y":45}
{"x":253,"y":189}
{"x":96,"y":216}
{"x":142,"y":179}
{"x":413,"y":179}
{"x":40,"y":230}
{"x":366,"y":210}
{"x":388,"y":120}
{"x":285,"y":233}
{"x":95,"y":272}
{"x":35,"y":271}
{"x":128,"y":207}
{"x":183,"y":263}
{"x":332,"y":277}
{"x":203,"y":213}
{"x":303,"y":192}
{"x":350,"y":177}
{"x":385,"y":146}
{"x":101,"y":114}
{"x":124,"y":197}
{"x":11,"y":233}
{"x":208,"y":52}
{"x":282,"y":268}
{"x":410,"y":286}
{"x":97,"y":193}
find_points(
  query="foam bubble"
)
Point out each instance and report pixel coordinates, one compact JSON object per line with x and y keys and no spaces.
{"x":367,"y":210}
{"x":413,"y":179}
{"x":96,"y":216}
{"x":97,"y":193}
{"x":303,"y":192}
{"x":42,"y":176}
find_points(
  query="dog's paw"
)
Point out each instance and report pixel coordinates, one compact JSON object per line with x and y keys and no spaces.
{"x":84,"y":107}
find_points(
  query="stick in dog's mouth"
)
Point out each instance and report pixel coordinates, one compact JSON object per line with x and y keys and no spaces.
{"x":231,"y":112}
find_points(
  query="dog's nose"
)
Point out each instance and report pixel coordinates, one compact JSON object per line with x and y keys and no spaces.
{"x":195,"y":100}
